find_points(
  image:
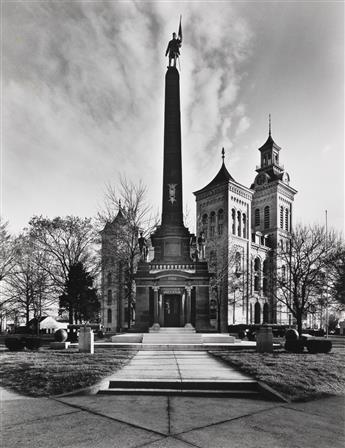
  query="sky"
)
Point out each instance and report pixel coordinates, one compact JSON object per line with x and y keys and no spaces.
{"x":82,"y":100}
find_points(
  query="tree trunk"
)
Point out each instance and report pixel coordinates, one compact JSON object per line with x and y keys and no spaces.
{"x":299,"y":316}
{"x":27,"y":313}
{"x":70,"y":315}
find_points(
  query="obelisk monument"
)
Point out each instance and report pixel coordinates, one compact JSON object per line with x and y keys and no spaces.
{"x":171,"y":240}
{"x":172,"y":289}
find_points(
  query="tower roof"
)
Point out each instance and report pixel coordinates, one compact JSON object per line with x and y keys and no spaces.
{"x":269,"y":144}
{"x":222,"y":177}
{"x":119,"y":220}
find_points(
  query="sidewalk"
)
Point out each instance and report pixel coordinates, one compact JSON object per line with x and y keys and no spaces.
{"x":107,"y":421}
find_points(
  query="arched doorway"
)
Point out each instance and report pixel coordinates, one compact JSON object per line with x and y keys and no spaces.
{"x":265,"y":313}
{"x":257,"y":313}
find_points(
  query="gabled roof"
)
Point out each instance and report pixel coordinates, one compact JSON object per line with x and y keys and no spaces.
{"x":223,"y":176}
{"x":34,"y":320}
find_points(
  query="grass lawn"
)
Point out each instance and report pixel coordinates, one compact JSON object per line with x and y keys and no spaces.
{"x":48,"y":372}
{"x":298,"y":377}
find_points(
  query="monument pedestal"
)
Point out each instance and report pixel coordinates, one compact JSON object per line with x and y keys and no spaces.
{"x":264,"y":340}
{"x":86,"y":340}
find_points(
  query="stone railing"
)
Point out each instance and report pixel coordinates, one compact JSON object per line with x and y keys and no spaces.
{"x":172,"y":266}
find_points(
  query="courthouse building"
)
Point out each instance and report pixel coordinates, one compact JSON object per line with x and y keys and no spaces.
{"x":225,"y":273}
{"x":244,"y":228}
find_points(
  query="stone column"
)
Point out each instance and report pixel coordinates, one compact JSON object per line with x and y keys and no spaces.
{"x":188,"y":306}
{"x":155,"y":325}
{"x":160,"y":310}
{"x":183,"y":317}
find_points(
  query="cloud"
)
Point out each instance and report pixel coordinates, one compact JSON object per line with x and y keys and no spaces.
{"x":83,"y":96}
{"x":243,"y":125}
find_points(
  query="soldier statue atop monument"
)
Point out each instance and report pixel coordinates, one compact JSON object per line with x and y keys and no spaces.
{"x":174,"y":45}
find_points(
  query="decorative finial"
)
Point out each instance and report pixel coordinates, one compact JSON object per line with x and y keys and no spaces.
{"x":223,"y":154}
{"x":269,"y":125}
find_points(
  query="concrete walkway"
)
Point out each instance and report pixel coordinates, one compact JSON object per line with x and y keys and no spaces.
{"x":180,"y":365}
{"x":133,"y":421}
{"x":179,"y":372}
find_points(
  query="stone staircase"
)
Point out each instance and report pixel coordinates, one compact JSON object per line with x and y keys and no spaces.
{"x":173,"y":336}
{"x":236,"y":388}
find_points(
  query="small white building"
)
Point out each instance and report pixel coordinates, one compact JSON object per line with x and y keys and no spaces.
{"x":48,"y":325}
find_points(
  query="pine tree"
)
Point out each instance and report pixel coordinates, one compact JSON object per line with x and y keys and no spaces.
{"x":79,"y":298}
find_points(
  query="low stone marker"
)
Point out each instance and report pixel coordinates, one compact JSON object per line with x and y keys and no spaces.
{"x":86,"y":340}
{"x":264,"y":339}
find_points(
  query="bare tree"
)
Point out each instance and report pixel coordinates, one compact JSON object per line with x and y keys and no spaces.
{"x":229,"y":276}
{"x":336,"y":275}
{"x":64,"y":242}
{"x":28,"y":290}
{"x":301,"y":277}
{"x":136,"y":218}
{"x":7,"y":251}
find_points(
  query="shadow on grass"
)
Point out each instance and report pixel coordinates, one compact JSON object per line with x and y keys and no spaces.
{"x":45,"y":372}
{"x":298,"y":377}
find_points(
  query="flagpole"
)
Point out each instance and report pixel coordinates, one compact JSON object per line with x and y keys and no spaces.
{"x":326,"y":247}
{"x":180,"y":37}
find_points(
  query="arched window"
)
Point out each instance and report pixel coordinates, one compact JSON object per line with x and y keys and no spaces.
{"x":257,"y":269}
{"x":238,"y":260}
{"x":265,"y":286}
{"x":239,"y":223}
{"x":265,"y":313}
{"x":220,"y":221}
{"x":213,"y":261}
{"x":286,"y":219}
{"x":257,"y":217}
{"x":233,"y":217}
{"x":109,"y":316}
{"x":110,"y":297}
{"x":283,"y":274}
{"x":212,"y":224}
{"x":257,"y":313}
{"x":251,"y":313}
{"x":282,"y":217}
{"x":265,"y":270}
{"x":204,"y":224}
{"x":267,"y":217}
{"x":244,"y":221}
{"x":109,"y":278}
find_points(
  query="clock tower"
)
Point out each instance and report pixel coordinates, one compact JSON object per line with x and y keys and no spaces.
{"x":273,"y":196}
{"x":272,"y":206}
